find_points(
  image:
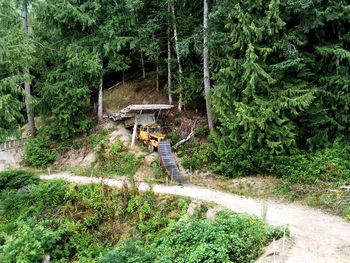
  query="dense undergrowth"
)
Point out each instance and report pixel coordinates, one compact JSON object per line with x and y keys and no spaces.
{"x":72,"y":222}
{"x":329,"y":164}
{"x":83,"y":222}
{"x":229,"y":238}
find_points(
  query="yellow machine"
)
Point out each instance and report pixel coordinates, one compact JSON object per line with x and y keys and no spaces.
{"x":151,"y":135}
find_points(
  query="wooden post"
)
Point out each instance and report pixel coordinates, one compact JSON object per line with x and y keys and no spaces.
{"x":134,"y":133}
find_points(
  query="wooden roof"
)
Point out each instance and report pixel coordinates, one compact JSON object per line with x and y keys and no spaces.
{"x":131,"y":110}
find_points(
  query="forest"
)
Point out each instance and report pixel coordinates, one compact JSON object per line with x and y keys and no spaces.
{"x":270,"y":80}
{"x":273,"y":76}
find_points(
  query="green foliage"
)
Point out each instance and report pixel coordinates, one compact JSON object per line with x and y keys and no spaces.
{"x":194,"y":155}
{"x":15,"y":179}
{"x":129,"y":253}
{"x":240,"y":238}
{"x":37,"y":151}
{"x":78,"y":223}
{"x":77,"y":144}
{"x":15,"y":59}
{"x":229,"y":238}
{"x":174,"y":137}
{"x":95,"y":139}
{"x":255,"y":108}
{"x":29,"y":243}
{"x":201,"y":131}
{"x":116,"y":159}
{"x":327,"y":165}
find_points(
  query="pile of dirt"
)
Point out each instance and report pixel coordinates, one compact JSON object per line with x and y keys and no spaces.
{"x":11,"y":158}
{"x":84,"y":157}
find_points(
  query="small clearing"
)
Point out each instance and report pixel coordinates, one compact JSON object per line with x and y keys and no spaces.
{"x":315,"y":236}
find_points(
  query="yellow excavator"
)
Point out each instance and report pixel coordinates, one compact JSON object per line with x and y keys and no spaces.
{"x":150,"y":135}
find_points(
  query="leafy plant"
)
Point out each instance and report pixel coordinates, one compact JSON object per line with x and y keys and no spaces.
{"x":29,"y":243}
{"x":229,"y":238}
{"x":130,"y":252}
{"x":174,"y":138}
{"x":195,"y":155}
{"x":38,"y":152}
{"x":201,"y":132}
{"x":15,"y":179}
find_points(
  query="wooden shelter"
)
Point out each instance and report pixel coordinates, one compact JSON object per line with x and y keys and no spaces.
{"x":135,"y":115}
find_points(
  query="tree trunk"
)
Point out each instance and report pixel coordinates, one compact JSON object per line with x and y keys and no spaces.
{"x":100,"y":99}
{"x":177,"y":55}
{"x":143,"y":66}
{"x":28,"y":98}
{"x":169,"y":60}
{"x":141,"y":54}
{"x":157,"y":76}
{"x":206,"y":65}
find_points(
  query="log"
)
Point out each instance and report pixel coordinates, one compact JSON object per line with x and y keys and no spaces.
{"x":189,"y":136}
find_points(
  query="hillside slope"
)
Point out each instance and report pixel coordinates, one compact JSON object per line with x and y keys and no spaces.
{"x":316,"y":236}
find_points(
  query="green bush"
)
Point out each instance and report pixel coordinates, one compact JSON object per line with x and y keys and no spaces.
{"x":78,"y":144}
{"x":115,"y":158}
{"x":201,"y":132}
{"x":94,"y":140}
{"x":330,"y":164}
{"x":174,"y":138}
{"x":194,"y":155}
{"x":229,"y":238}
{"x":15,"y":179}
{"x":88,"y":219}
{"x":37,"y":151}
{"x":239,"y":238}
{"x":29,"y":243}
{"x":129,"y":253}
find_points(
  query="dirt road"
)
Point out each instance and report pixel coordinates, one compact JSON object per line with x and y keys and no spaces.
{"x":316,"y":236}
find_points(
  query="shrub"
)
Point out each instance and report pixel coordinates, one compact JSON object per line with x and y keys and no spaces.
{"x":229,"y":238}
{"x":174,"y":138}
{"x":129,"y":253}
{"x":94,"y":140}
{"x":201,"y":131}
{"x":15,"y":179}
{"x":195,"y":155}
{"x":330,"y":164}
{"x":29,"y":243}
{"x":78,"y":144}
{"x":37,"y":151}
{"x":114,"y":158}
{"x":239,"y":238}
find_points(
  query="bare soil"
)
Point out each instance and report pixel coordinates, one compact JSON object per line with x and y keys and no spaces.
{"x":315,"y":236}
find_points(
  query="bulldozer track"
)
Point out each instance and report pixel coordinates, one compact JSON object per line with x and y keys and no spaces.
{"x":168,"y":162}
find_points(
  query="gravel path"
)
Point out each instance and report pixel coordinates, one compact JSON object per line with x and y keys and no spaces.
{"x":316,"y":236}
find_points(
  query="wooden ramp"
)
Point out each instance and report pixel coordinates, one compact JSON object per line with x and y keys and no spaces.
{"x":168,"y":162}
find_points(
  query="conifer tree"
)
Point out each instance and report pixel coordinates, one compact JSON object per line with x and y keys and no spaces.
{"x":256,"y":111}
{"x":14,"y":60}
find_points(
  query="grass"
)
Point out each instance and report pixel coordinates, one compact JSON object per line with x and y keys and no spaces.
{"x":132,"y":92}
{"x":119,"y":97}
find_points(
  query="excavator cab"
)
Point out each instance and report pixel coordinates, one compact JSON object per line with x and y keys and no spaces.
{"x":151,"y":135}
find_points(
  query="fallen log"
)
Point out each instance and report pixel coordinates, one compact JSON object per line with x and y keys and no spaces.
{"x":189,"y":136}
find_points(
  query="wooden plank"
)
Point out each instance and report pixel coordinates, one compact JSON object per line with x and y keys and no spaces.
{"x":131,"y":110}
